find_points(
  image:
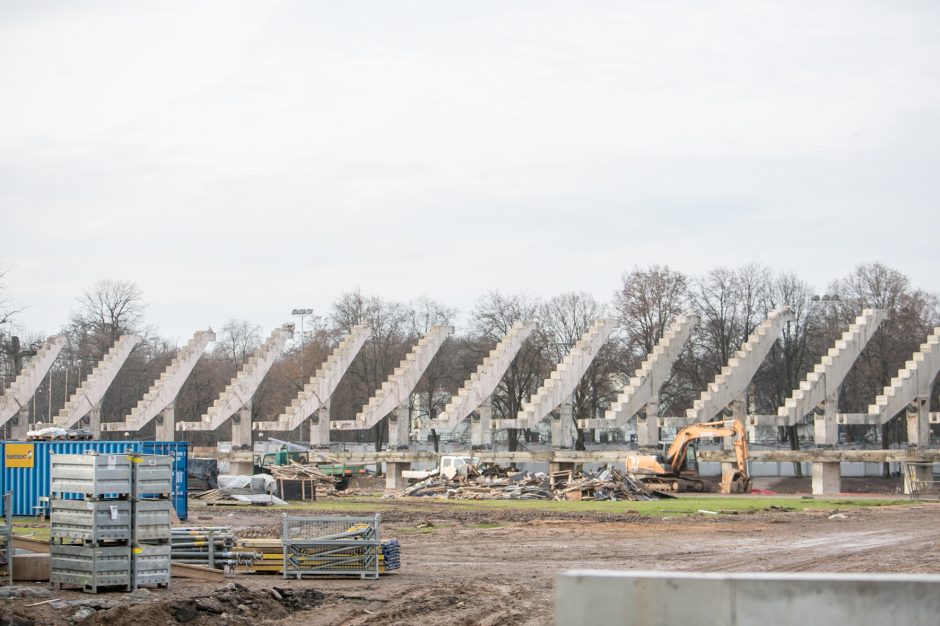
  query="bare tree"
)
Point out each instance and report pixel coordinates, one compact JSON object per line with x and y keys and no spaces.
{"x":237,"y":340}
{"x":799,"y":347}
{"x":565,"y":319}
{"x":441,"y":375}
{"x":648,"y":301}
{"x":492,"y":318}
{"x":392,"y":336}
{"x":911,"y":315}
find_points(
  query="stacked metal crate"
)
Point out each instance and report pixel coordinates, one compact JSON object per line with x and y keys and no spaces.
{"x":90,"y":510}
{"x":151,"y":519}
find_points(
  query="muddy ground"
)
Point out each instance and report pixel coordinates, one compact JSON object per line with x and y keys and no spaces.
{"x":468,"y":566}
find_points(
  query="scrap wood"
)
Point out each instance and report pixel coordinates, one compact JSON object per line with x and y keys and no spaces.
{"x":498,"y":483}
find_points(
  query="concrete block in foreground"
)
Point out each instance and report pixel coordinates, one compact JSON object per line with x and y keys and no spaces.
{"x":648,"y":598}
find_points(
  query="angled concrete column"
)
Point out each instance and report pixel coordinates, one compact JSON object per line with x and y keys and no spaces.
{"x":481,"y":427}
{"x":739,"y":412}
{"x":398,"y":423}
{"x":19,"y":425}
{"x":647,"y":426}
{"x":241,"y":427}
{"x":563,"y":426}
{"x":320,"y":427}
{"x":827,"y":479}
{"x":166,"y":423}
{"x":918,"y":436}
{"x":94,"y":420}
{"x":393,"y":478}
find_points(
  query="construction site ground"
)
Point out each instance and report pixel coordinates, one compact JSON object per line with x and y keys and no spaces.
{"x":494,"y":562}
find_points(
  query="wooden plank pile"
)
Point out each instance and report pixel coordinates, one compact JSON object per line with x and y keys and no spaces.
{"x":297,"y":481}
{"x":494,"y":483}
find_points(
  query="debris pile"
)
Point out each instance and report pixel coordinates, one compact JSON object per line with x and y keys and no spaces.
{"x":491,"y":482}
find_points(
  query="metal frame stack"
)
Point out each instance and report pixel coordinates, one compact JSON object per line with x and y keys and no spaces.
{"x":331,"y":546}
{"x":91,"y":521}
{"x":151,"y":519}
{"x":6,"y":538}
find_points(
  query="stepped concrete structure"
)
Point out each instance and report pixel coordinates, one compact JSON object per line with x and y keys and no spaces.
{"x":910,"y":391}
{"x":22,"y":389}
{"x":477,"y":391}
{"x":557,"y":389}
{"x":642,"y":391}
{"x":313,"y":401}
{"x":87,"y":398}
{"x":235,"y":400}
{"x":730,"y":384}
{"x":160,"y":400}
{"x":821,"y":387}
{"x":393,"y":397}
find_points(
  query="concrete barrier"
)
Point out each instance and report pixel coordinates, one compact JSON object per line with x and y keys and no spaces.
{"x":646,"y":598}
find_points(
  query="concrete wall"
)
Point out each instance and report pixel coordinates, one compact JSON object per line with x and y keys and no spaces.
{"x":644,"y":598}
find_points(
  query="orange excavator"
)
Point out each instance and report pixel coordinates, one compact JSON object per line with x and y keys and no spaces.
{"x":677,"y":468}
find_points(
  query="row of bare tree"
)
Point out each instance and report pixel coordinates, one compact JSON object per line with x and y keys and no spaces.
{"x":730,"y":303}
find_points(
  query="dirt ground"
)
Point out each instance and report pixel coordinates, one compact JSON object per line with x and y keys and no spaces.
{"x":465,"y":566}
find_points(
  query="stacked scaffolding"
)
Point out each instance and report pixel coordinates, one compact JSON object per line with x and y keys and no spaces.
{"x":90,"y":510}
{"x":331,"y":546}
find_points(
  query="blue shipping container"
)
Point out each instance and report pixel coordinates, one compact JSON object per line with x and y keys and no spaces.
{"x":26,"y":472}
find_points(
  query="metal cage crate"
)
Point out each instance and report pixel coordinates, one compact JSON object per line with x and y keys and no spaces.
{"x":331,"y":546}
{"x":91,"y":521}
{"x":90,"y":474}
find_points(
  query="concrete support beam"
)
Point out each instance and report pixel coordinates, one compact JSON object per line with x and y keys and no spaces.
{"x":320,"y":427}
{"x":19,"y":425}
{"x":563,"y":426}
{"x":481,"y":425}
{"x":918,"y":436}
{"x":399,"y":422}
{"x":393,"y":478}
{"x":166,"y":422}
{"x":827,"y":479}
{"x":647,"y":426}
{"x":643,"y":598}
{"x":94,"y":420}
{"x":241,"y":427}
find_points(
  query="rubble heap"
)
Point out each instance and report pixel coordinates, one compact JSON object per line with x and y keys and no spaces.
{"x":492,"y":482}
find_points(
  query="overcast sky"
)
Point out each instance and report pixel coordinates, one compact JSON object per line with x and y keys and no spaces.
{"x":238,"y":160}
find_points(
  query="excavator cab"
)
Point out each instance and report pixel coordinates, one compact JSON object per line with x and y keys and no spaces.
{"x":691,"y":460}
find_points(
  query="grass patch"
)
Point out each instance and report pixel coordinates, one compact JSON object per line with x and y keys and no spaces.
{"x":483,"y":525}
{"x":682,"y":505}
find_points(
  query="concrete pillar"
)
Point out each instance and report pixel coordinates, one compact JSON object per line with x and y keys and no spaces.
{"x":827,"y":478}
{"x":918,"y":437}
{"x":166,"y":423}
{"x":241,"y":427}
{"x":320,"y":427}
{"x":647,"y":427}
{"x":481,"y":430}
{"x":563,"y":426}
{"x":393,"y":478}
{"x":739,"y":412}
{"x":398,"y":426}
{"x":19,"y":425}
{"x":94,"y":420}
